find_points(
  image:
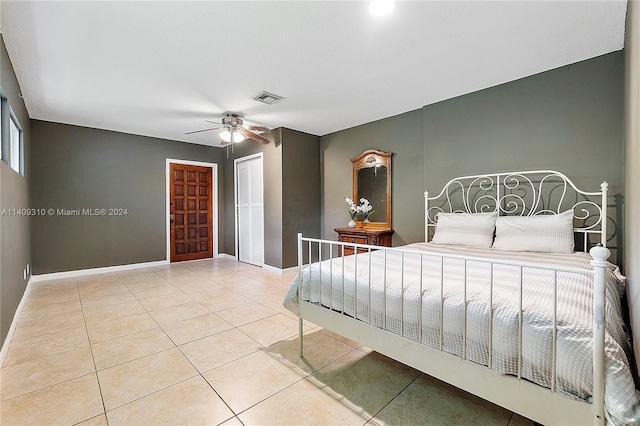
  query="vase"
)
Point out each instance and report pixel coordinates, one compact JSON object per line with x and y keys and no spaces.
{"x":366,"y":219}
{"x":352,"y":224}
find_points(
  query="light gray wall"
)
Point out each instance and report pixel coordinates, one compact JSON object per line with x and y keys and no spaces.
{"x":632,"y":169}
{"x":77,"y":167}
{"x":14,"y":194}
{"x":569,"y":119}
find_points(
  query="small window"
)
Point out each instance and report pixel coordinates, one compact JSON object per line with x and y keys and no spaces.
{"x":16,"y":149}
{"x":4,"y":142}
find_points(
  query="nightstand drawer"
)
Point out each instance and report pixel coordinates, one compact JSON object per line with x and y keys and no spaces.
{"x":348,"y":251}
{"x":368,"y":236}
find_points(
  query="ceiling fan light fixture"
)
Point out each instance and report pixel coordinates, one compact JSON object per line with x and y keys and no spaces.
{"x":381,"y":7}
{"x":226,"y":136}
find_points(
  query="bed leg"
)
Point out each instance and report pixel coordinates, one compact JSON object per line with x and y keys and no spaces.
{"x":599,"y":263}
{"x":300,"y":329}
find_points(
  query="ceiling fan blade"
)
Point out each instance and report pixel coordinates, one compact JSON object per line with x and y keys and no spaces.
{"x":214,"y":122}
{"x":258,"y":128}
{"x":203,"y":130}
{"x":255,"y":137}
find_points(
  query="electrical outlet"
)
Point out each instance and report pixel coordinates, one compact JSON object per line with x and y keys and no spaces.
{"x":28,"y":272}
{"x":24,"y":273}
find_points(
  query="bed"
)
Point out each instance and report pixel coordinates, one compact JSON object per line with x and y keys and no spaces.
{"x":495,"y":301}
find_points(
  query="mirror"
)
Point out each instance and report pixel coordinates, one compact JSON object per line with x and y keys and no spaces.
{"x":372,"y":180}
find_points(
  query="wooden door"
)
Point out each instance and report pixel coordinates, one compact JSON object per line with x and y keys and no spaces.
{"x":191,"y":212}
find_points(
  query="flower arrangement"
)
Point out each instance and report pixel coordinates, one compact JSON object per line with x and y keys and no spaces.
{"x":365,"y":208}
{"x":354,"y":210}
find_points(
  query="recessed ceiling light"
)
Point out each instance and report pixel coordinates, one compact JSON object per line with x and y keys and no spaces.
{"x":381,"y":7}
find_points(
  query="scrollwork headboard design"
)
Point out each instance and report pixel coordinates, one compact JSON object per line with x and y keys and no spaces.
{"x":525,"y":194}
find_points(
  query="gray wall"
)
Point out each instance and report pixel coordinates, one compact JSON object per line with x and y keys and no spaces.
{"x":78,"y":167}
{"x":401,"y":135}
{"x":632,"y":169}
{"x":291,"y":169}
{"x":569,"y":119}
{"x":272,"y":195}
{"x":14,"y":194}
{"x":300,"y":191}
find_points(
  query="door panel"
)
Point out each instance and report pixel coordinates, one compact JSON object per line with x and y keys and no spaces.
{"x":191,"y":208}
{"x":257,"y":251}
{"x":250,"y":211}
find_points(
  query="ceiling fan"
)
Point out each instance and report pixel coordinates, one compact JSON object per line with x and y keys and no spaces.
{"x":235,"y":131}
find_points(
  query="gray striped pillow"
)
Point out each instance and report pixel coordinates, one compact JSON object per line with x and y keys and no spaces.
{"x":542,"y":233}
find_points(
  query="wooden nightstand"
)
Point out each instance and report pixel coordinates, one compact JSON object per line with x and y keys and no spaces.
{"x":370,"y":236}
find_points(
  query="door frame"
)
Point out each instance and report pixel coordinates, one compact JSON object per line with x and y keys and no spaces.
{"x":214,"y":202}
{"x":235,"y":200}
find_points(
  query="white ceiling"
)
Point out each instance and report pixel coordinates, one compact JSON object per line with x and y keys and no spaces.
{"x":161,"y":68}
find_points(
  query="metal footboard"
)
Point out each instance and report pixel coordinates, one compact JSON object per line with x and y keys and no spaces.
{"x":326,"y":250}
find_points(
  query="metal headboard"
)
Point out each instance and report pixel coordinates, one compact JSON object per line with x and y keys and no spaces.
{"x":524,"y":194}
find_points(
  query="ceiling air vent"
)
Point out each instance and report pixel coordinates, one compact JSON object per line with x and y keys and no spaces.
{"x":267,"y":98}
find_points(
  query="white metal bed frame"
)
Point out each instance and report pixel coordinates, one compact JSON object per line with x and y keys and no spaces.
{"x":507,"y":193}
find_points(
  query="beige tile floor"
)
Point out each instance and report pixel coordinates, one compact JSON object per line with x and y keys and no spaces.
{"x":204,"y":342}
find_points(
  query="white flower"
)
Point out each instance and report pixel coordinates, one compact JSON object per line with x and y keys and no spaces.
{"x":354,"y":210}
{"x":365,"y":207}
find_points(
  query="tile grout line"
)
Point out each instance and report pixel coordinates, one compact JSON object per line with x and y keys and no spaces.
{"x":75,"y":284}
{"x":236,"y":415}
{"x":201,"y":374}
{"x":183,"y":354}
{"x":263,"y":347}
{"x":305,"y":376}
{"x":104,"y":408}
{"x":94,"y":373}
{"x":161,"y":326}
{"x":392,"y":399}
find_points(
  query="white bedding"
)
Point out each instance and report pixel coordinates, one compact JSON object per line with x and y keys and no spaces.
{"x":402,"y":306}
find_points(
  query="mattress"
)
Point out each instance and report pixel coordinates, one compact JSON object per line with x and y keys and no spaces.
{"x":412,"y":292}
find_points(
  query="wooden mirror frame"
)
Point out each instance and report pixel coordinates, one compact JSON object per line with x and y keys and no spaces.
{"x":371,"y":158}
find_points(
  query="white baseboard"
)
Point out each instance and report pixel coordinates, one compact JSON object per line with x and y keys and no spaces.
{"x":278,"y":270}
{"x":264,"y":266}
{"x":92,"y":271}
{"x":291,"y":270}
{"x":14,"y":321}
{"x":102,"y":270}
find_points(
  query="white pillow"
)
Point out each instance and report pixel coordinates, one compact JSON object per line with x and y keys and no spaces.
{"x":466,"y":229}
{"x":542,"y":233}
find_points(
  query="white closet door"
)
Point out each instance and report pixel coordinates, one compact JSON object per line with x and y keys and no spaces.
{"x":250,"y":212}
